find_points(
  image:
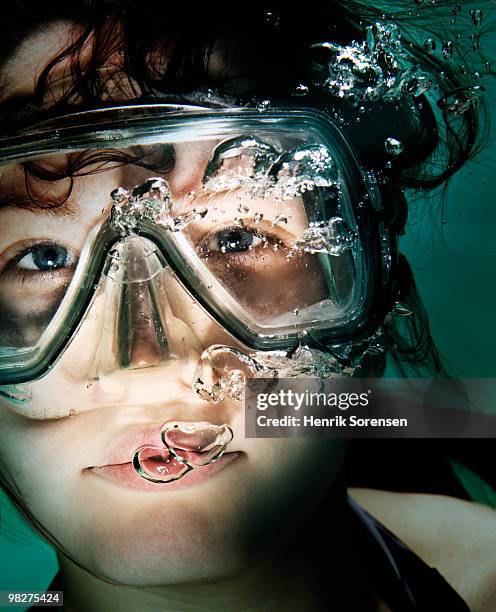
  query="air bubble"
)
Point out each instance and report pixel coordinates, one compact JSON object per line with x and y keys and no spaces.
{"x":196,"y":443}
{"x":430,"y":44}
{"x":393,"y":146}
{"x":447,"y":49}
{"x":263,"y":105}
{"x":221,"y":373}
{"x":157,"y":464}
{"x":301,"y":90}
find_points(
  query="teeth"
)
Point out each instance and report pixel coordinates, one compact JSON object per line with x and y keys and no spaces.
{"x":158,"y":464}
{"x":196,"y":444}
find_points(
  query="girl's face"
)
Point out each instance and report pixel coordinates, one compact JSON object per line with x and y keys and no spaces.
{"x":74,"y":471}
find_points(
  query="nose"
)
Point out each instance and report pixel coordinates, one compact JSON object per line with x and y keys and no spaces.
{"x":140,"y":328}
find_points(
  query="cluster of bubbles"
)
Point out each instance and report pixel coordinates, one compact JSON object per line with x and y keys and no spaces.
{"x":150,"y":201}
{"x":333,"y":237}
{"x":186,"y":446}
{"x":222,"y":370}
{"x":462,"y":99}
{"x":242,"y":162}
{"x":265,"y":172}
{"x":378,"y":68}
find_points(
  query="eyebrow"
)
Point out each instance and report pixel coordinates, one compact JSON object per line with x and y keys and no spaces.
{"x":64,"y":210}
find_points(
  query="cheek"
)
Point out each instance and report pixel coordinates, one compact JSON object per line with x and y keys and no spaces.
{"x":42,"y":463}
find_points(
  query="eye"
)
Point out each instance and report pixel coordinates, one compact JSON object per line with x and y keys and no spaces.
{"x":238,"y":243}
{"x":45,"y":258}
{"x":233,"y":240}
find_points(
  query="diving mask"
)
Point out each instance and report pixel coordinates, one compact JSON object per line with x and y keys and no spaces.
{"x":265,"y":219}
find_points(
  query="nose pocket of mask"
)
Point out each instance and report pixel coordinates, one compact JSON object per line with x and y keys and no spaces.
{"x":134,"y":328}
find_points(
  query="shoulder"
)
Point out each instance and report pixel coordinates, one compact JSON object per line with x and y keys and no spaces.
{"x":456,"y":537}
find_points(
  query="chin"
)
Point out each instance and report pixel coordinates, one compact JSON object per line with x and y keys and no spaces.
{"x":145,"y":539}
{"x":162,"y":547}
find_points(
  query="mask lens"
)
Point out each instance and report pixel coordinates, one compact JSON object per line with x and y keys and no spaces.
{"x":275,"y":237}
{"x":39,"y":251}
{"x":50,"y":207}
{"x":277,"y":266}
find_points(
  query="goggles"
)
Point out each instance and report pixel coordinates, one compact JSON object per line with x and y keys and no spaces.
{"x":264,"y":218}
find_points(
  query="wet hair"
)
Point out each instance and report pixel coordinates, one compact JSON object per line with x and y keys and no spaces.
{"x":267,"y":45}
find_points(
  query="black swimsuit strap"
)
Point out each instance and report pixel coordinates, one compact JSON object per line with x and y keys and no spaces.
{"x":402,"y":580}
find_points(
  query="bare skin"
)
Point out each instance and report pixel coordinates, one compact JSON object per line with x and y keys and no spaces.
{"x":455,"y":536}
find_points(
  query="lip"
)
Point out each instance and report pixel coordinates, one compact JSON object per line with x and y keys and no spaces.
{"x":116,"y":464}
{"x":124,"y":474}
{"x":125,"y":443}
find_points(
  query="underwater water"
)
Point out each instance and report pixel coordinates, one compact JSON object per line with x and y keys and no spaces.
{"x":453,"y":257}
{"x":454,"y":262}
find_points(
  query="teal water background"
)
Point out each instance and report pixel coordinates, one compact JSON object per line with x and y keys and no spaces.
{"x":454,"y":264}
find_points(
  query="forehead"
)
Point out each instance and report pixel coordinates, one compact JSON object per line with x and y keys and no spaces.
{"x":225,"y":57}
{"x":19,"y":73}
